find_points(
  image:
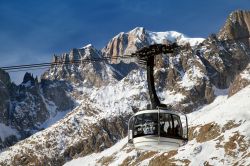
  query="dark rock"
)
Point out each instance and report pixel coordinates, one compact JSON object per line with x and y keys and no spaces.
{"x":237,"y":27}
{"x":28,"y":77}
{"x":5,"y":78}
{"x":240,"y":82}
{"x":4,"y":97}
{"x":56,"y":92}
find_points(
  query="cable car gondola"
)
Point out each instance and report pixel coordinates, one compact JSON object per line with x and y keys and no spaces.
{"x":158,"y":128}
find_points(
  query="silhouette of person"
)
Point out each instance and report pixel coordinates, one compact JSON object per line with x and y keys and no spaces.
{"x":177,"y":130}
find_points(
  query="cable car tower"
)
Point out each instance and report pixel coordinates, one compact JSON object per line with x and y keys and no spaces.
{"x":158,"y":128}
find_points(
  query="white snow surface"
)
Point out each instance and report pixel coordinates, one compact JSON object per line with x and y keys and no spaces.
{"x":54,"y":119}
{"x":162,"y":37}
{"x":171,"y":97}
{"x":245,"y":74}
{"x":6,"y":131}
{"x":92,"y":159}
{"x":173,"y":36}
{"x":221,"y":111}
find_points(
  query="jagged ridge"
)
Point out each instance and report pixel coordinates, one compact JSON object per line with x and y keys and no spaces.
{"x":189,"y":78}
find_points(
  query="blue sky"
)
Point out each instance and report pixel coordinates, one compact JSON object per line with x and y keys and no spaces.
{"x":31,"y":31}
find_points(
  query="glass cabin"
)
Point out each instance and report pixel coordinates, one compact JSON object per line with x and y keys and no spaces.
{"x":158,"y":130}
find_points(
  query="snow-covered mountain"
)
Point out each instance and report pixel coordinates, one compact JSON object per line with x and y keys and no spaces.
{"x":128,"y":43}
{"x":219,"y":135}
{"x":83,"y":108}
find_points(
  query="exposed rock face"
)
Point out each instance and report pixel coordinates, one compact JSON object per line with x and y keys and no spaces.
{"x":33,"y":103}
{"x":27,"y":106}
{"x":86,"y":73}
{"x":5,"y":78}
{"x":57,"y":94}
{"x":240,"y":82}
{"x":171,"y":72}
{"x":29,"y":78}
{"x":218,"y":135}
{"x":184,"y":74}
{"x":223,"y":60}
{"x":4,"y":97}
{"x":8,"y":138}
{"x":237,"y":27}
{"x":4,"y":103}
{"x":106,"y":91}
{"x":28,"y":110}
{"x":128,"y":43}
{"x":77,"y":73}
{"x":70,"y":138}
{"x":191,"y":72}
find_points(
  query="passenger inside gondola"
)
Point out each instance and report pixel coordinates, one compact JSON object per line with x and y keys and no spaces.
{"x":146,"y":124}
{"x":177,"y":131}
{"x":165,"y":125}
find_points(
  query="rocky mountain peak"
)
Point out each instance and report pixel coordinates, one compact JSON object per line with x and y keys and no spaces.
{"x":4,"y":96}
{"x":237,"y":26}
{"x":99,"y":97}
{"x":127,"y":43}
{"x":4,"y":77}
{"x":77,"y":54}
{"x":138,"y":31}
{"x":78,"y":70}
{"x":28,"y":77}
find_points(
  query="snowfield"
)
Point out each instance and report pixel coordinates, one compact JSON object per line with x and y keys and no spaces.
{"x":228,"y":146}
{"x":173,"y":36}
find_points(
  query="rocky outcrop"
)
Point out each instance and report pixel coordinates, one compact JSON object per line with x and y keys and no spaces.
{"x":5,"y":78}
{"x":28,"y":109}
{"x":57,"y":92}
{"x":9,"y":138}
{"x":70,"y":138}
{"x":240,"y":82}
{"x":192,"y":73}
{"x":4,"y":97}
{"x":127,"y":43}
{"x":28,"y":78}
{"x":170,"y":72}
{"x":78,"y":70}
{"x":27,"y":106}
{"x":223,"y":60}
{"x":184,"y":73}
{"x":237,"y":27}
{"x":217,"y":136}
{"x":184,"y":80}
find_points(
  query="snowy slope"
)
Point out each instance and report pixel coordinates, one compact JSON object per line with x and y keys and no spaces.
{"x":227,"y":142}
{"x":173,"y":36}
{"x":101,"y":116}
{"x":6,"y":131}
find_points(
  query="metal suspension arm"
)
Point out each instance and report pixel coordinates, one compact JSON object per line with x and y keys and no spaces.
{"x":155,"y":102}
{"x":146,"y":56}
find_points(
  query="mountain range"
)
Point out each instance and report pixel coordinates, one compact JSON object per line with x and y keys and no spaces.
{"x":82,"y":109}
